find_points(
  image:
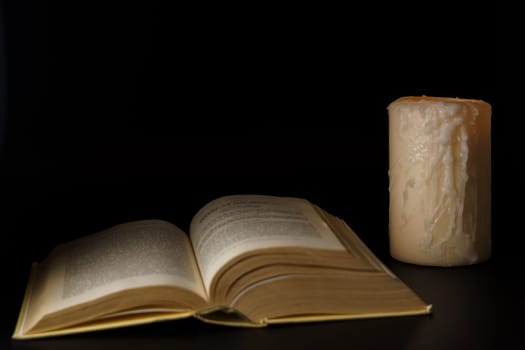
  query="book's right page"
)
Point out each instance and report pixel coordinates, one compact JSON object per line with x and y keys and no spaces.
{"x":276,"y":259}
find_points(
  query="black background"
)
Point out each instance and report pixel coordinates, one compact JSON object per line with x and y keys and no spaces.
{"x":111,"y":113}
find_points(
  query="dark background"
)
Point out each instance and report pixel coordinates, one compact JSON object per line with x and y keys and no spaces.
{"x":112,"y":113}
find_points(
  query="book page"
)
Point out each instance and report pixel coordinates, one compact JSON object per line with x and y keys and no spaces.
{"x":131,"y":255}
{"x":232,"y":225}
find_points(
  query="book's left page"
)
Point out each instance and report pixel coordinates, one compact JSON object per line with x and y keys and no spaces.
{"x":132,"y":273}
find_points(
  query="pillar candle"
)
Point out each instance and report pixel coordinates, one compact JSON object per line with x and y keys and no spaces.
{"x":440,"y":192}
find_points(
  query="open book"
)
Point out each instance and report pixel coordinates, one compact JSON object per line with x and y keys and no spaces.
{"x":248,"y":261}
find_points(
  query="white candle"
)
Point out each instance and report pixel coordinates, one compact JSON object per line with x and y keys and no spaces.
{"x":440,"y":180}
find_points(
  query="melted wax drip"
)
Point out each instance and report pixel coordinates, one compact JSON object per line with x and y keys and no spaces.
{"x":443,"y":145}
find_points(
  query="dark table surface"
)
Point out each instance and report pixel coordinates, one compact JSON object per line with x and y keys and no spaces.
{"x":478,"y":306}
{"x":474,"y":307}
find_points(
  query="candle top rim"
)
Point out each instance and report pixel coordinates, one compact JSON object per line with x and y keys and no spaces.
{"x":434,"y":99}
